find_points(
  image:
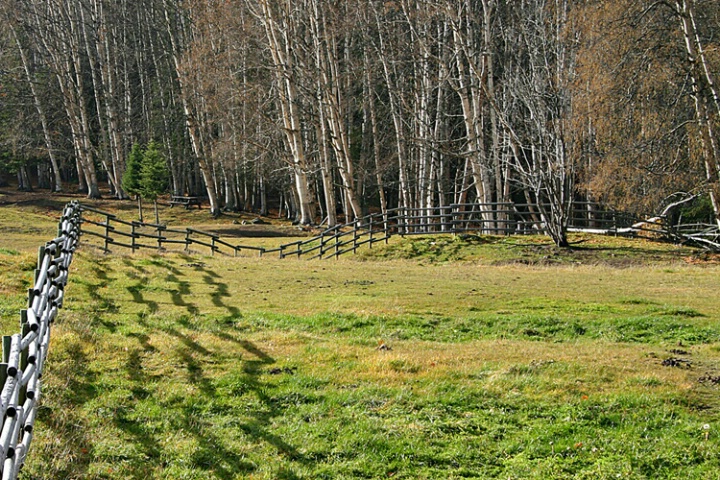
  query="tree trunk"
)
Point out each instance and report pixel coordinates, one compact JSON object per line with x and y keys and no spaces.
{"x":40,"y":110}
{"x":281,"y":46}
{"x":703,"y":85}
{"x":191,"y":122}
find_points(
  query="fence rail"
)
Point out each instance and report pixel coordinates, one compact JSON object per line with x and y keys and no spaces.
{"x":484,"y":218}
{"x":24,"y":354}
{"x":138,"y":235}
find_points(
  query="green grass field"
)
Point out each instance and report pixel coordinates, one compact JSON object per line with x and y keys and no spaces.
{"x":433,"y":358}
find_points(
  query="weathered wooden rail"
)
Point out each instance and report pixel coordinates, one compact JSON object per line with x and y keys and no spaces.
{"x":24,"y":354}
{"x":134,"y":235}
{"x":489,"y":218}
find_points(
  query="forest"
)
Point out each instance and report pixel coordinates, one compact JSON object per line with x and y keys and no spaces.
{"x":323,"y":110}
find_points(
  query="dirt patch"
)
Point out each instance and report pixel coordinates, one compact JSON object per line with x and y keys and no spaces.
{"x":231,"y":225}
{"x":710,"y":379}
{"x":609,"y":257}
{"x":704,"y":258}
{"x":260,"y":231}
{"x":8,"y":196}
{"x":676,"y":362}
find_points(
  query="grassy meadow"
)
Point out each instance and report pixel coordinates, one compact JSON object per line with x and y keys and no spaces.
{"x":428,"y":358}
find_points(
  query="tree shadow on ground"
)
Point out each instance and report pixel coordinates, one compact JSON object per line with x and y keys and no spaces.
{"x":177,"y":295}
{"x":211,"y":453}
{"x":146,"y":417}
{"x":257,"y":428}
{"x":221,"y":290}
{"x":138,"y":297}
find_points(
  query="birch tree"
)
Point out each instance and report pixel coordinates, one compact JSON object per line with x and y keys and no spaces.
{"x":330,"y":26}
{"x":280,"y":22}
{"x":539,"y":88}
{"x":705,"y":96}
{"x":30,"y":76}
{"x":190,"y":99}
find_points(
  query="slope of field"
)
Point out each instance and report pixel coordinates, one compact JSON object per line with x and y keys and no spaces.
{"x":506,"y":359}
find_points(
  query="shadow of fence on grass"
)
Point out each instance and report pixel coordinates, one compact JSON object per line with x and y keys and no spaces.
{"x":197,"y":387}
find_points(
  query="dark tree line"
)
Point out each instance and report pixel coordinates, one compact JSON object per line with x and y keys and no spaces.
{"x":325,"y":109}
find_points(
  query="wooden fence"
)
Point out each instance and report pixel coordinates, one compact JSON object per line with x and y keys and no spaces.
{"x":24,"y":354}
{"x":488,"y":218}
{"x":491,"y":218}
{"x":113,"y":231}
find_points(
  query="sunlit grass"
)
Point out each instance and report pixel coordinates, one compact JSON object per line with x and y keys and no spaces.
{"x":481,"y":366}
{"x":180,"y":366}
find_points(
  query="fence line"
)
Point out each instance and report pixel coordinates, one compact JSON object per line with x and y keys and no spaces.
{"x":121,"y":233}
{"x":483,"y":218}
{"x":24,"y":354}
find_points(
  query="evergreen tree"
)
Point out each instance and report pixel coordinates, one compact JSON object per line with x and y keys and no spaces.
{"x":132,"y":176}
{"x":154,"y":175}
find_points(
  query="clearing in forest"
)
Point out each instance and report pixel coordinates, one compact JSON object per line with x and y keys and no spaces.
{"x":439,"y":357}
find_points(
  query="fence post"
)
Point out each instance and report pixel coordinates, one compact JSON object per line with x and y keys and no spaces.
{"x":132,"y":237}
{"x":356,"y":226}
{"x":187,"y":239}
{"x":212,"y":247}
{"x":370,"y":227}
{"x":41,"y":256}
{"x":107,"y":233}
{"x":6,"y":342}
{"x":80,"y":222}
{"x":159,"y":234}
{"x":402,"y":217}
{"x":6,"y":345}
{"x":3,"y":373}
{"x":665,"y":226}
{"x":453,"y":215}
{"x":615,"y":225}
{"x":24,"y":330}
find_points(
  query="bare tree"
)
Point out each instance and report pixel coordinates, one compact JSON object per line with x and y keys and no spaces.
{"x":539,"y":90}
{"x":30,"y":77}
{"x":191,"y":101}
{"x":705,"y":97}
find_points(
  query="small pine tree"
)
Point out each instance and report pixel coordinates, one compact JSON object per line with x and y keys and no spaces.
{"x":131,"y":178}
{"x":154,"y":175}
